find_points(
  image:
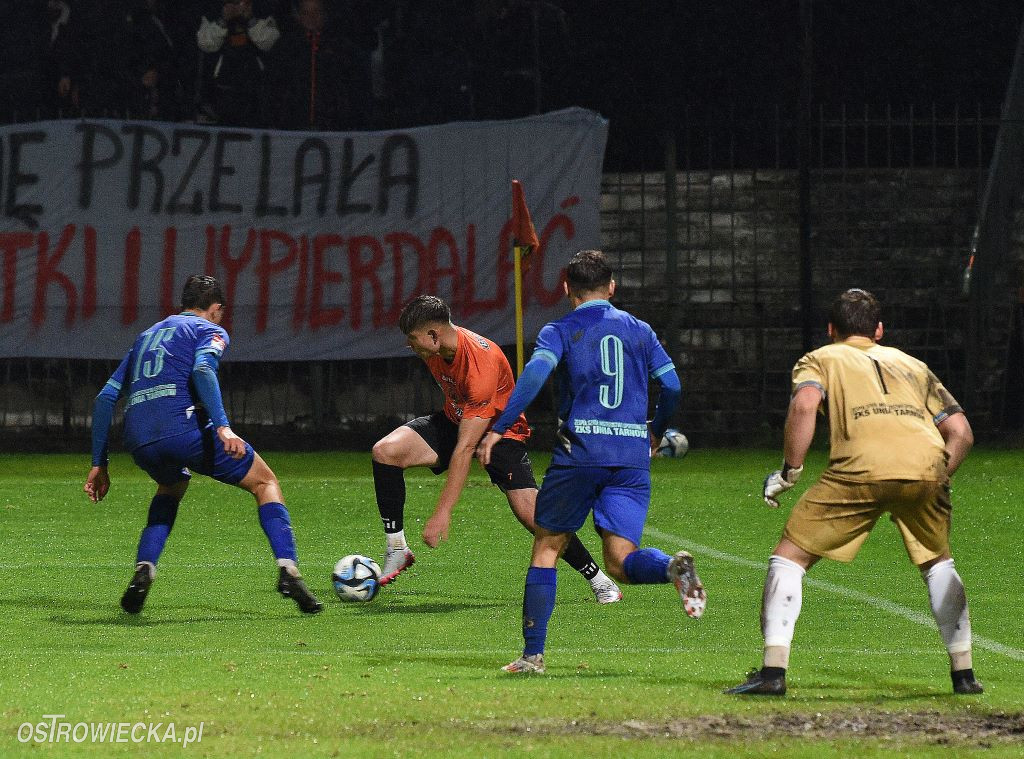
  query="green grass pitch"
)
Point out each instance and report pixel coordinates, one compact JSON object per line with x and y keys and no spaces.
{"x":416,"y":672}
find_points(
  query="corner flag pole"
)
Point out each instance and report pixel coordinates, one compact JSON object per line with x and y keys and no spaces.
{"x":524,"y":240}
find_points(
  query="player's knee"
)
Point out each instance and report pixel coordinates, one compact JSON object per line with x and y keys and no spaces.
{"x":387,"y":451}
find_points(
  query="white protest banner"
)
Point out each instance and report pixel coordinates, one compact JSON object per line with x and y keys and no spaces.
{"x":318,"y":238}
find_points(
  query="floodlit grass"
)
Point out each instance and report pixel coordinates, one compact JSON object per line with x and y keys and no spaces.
{"x":416,"y":672}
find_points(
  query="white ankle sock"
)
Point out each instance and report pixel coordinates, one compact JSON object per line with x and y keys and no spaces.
{"x":949,"y":606}
{"x":780,"y":605}
{"x":396,"y":540}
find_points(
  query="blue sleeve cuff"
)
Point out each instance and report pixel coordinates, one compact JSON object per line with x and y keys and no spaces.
{"x":666,"y":368}
{"x":530,"y":382}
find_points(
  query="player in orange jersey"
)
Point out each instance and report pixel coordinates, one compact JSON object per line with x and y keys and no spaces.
{"x":476,"y":380}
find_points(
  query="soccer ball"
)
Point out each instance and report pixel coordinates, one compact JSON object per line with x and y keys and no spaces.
{"x":356,"y":578}
{"x":674,"y":445}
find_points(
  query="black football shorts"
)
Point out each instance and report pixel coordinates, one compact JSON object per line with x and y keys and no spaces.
{"x":510,"y":467}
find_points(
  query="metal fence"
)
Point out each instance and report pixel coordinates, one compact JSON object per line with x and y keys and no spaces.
{"x":706,"y":246}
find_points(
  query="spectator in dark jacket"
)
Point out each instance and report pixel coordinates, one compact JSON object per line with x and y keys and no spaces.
{"x":61,"y":62}
{"x":322,"y":73}
{"x":160,"y":72}
{"x":235,"y":42}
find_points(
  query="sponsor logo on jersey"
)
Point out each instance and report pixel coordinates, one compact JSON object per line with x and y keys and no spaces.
{"x":218,"y":344}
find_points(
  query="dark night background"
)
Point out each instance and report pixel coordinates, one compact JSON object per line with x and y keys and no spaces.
{"x":647,"y":65}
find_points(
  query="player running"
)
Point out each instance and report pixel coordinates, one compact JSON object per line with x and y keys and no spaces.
{"x":602,"y":358}
{"x":897,"y":436}
{"x":174,"y":422}
{"x":476,"y":380}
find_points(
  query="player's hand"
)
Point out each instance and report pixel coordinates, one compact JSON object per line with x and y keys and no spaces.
{"x":234,"y":446}
{"x":97,"y":483}
{"x":486,"y":444}
{"x":780,"y":481}
{"x":436,"y":529}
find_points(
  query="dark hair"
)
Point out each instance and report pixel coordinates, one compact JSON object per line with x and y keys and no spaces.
{"x":855,"y":312}
{"x":421,"y":310}
{"x":200,"y":292}
{"x":588,"y":271}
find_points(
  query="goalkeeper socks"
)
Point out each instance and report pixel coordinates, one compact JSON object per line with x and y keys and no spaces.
{"x":163,"y":510}
{"x":949,"y":607}
{"x":780,"y":604}
{"x":578,"y":557}
{"x":389,"y":486}
{"x":277,"y":525}
{"x":538,"y":603}
{"x":646,"y":566}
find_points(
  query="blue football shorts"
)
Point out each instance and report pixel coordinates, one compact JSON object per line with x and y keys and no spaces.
{"x":170,"y":460}
{"x":618,"y":496}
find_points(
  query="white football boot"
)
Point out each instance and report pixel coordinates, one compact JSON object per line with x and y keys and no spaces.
{"x":691,"y":589}
{"x":526,"y":665}
{"x":396,"y":561}
{"x":605,"y":589}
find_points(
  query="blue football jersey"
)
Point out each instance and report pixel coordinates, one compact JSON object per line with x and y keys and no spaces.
{"x":155,"y":378}
{"x":604,"y":360}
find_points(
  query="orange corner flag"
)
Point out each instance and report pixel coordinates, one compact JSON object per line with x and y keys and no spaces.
{"x":524,"y":236}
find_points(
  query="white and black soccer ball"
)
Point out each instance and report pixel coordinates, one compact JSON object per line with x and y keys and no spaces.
{"x":356,"y":578}
{"x":674,"y":445}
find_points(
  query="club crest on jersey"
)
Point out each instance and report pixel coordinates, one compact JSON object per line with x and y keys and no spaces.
{"x":218,"y":344}
{"x":484,"y":344}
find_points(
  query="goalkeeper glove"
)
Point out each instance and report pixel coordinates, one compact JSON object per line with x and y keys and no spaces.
{"x":780,"y":481}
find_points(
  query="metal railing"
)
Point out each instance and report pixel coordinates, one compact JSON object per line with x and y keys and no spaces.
{"x":711,"y":260}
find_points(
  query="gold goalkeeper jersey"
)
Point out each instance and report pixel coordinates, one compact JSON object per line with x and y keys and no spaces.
{"x":883,"y":407}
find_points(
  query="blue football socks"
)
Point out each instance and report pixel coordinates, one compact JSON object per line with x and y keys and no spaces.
{"x":162,"y":511}
{"x":277,"y":525}
{"x":538,"y":603}
{"x":647,"y":566}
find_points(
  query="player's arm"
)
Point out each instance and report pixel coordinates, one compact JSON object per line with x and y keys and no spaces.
{"x":799,"y":432}
{"x":668,"y":399}
{"x":470,"y":431}
{"x":204,"y":378}
{"x":98,"y":482}
{"x":529,"y":384}
{"x":956,"y":432}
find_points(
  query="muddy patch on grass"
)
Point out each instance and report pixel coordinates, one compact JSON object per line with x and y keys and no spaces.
{"x":924,"y":727}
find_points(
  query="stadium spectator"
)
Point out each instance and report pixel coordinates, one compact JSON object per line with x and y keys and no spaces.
{"x":897,"y":436}
{"x":476,"y":380}
{"x":175,"y":422}
{"x":602,"y":462}
{"x":61,"y":61}
{"x":322,"y":67}
{"x":160,"y":72}
{"x":236,"y":43}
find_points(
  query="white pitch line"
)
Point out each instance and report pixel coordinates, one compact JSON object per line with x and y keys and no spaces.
{"x":854,"y":595}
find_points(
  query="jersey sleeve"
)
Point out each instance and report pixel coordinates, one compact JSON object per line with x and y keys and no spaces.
{"x":103,"y":411}
{"x":213,"y":339}
{"x":808,"y":373}
{"x":549,"y":345}
{"x":480,"y":394}
{"x":940,"y":402}
{"x":658,"y":361}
